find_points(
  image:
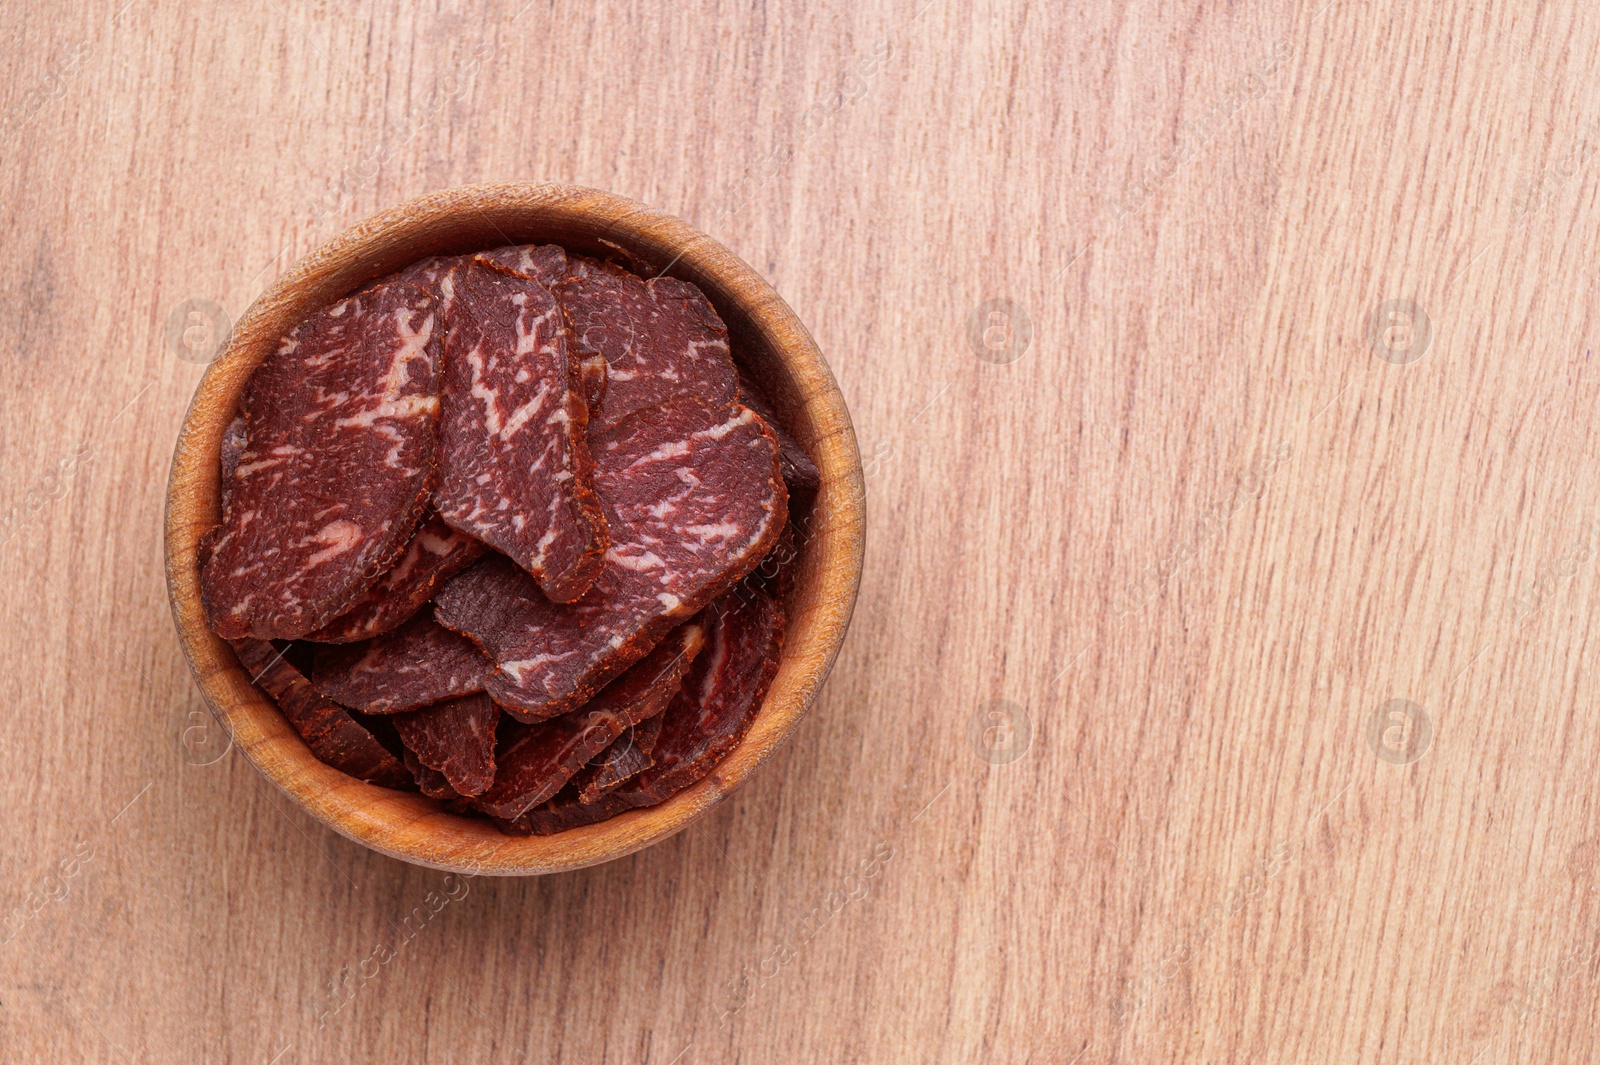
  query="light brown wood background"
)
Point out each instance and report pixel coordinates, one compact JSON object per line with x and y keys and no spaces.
{"x":1115,"y":712}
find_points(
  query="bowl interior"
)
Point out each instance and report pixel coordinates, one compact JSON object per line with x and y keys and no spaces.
{"x":767,"y":340}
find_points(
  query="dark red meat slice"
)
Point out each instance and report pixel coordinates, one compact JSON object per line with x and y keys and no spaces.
{"x":430,"y":782}
{"x":435,"y":554}
{"x":416,"y":665}
{"x":536,"y":764}
{"x":799,"y":472}
{"x":588,"y":266}
{"x":426,"y":272}
{"x":593,"y":372}
{"x":624,"y":759}
{"x":693,"y":501}
{"x":705,"y":721}
{"x":566,"y":810}
{"x":660,"y":339}
{"x":232,"y":447}
{"x":339,"y":456}
{"x":776,"y":573}
{"x":335,"y":737}
{"x":719,"y":699}
{"x":545,"y":263}
{"x":456,"y":738}
{"x":591,"y":364}
{"x":646,"y":732}
{"x":515,"y":469}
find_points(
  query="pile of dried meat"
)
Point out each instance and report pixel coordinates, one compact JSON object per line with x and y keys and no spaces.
{"x":512,"y":530}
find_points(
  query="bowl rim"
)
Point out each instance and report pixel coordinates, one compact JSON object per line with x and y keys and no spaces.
{"x":410,"y":827}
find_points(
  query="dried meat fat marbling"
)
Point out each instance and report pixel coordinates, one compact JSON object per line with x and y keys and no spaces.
{"x":337,"y":462}
{"x":693,"y":501}
{"x":591,"y":364}
{"x":335,"y":737}
{"x":418,"y":664}
{"x":515,"y":469}
{"x":435,"y":554}
{"x":659,"y":339}
{"x":537,"y":763}
{"x":705,"y":721}
{"x":456,"y":739}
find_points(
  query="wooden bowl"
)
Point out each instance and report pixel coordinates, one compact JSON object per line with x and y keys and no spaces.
{"x":767,"y":339}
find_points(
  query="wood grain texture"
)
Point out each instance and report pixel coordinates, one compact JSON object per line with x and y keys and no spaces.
{"x":1110,"y":768}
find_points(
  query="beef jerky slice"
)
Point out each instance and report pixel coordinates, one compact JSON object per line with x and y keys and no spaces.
{"x":660,"y":339}
{"x":418,"y":664}
{"x":693,"y":501}
{"x":515,"y":469}
{"x":705,"y":721}
{"x":799,"y":472}
{"x":776,"y":572}
{"x":547,"y":264}
{"x":425,"y":273}
{"x":436,"y":553}
{"x":456,"y":738}
{"x":536,"y":764}
{"x":626,"y":758}
{"x":591,"y":364}
{"x":430,"y":782}
{"x":719,"y":699}
{"x":232,"y":448}
{"x":566,"y":810}
{"x":588,"y":266}
{"x":331,"y":733}
{"x":544,"y":263}
{"x":338,"y":459}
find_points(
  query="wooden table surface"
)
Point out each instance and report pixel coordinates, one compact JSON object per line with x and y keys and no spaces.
{"x":1221,"y":686}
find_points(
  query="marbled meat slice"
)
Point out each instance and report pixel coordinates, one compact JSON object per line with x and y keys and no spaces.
{"x":430,"y":782}
{"x":339,"y":455}
{"x":515,"y":469}
{"x":335,"y":737}
{"x":705,"y":721}
{"x":418,"y":664}
{"x":660,"y":339}
{"x":693,"y":501}
{"x":425,"y":272}
{"x":456,"y":738}
{"x":232,"y":448}
{"x":591,"y":364}
{"x":775,"y":574}
{"x":544,"y":263}
{"x":436,"y":553}
{"x":589,"y":266}
{"x":719,"y":699}
{"x":626,"y":758}
{"x":799,"y":472}
{"x":536,"y":764}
